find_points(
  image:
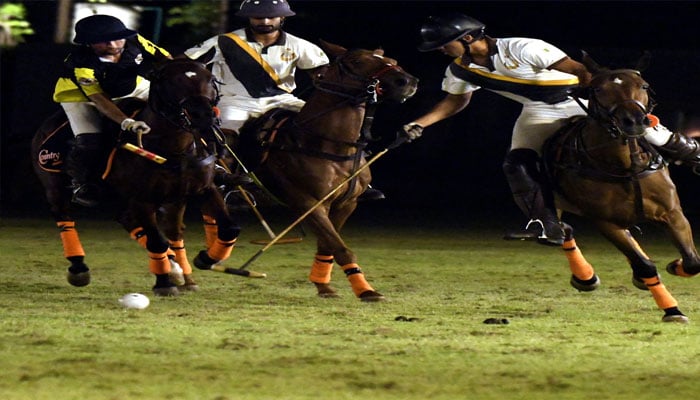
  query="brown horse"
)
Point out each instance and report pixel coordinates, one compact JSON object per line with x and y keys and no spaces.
{"x":180,"y":112}
{"x":309,"y":154}
{"x":603,"y":169}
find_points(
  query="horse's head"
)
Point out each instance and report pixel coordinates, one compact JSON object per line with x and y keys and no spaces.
{"x":619,"y":98}
{"x":365,"y":75}
{"x":184,"y":92}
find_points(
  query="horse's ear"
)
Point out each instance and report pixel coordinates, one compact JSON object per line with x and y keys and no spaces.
{"x":331,"y":49}
{"x":590,"y":64}
{"x":644,"y":61}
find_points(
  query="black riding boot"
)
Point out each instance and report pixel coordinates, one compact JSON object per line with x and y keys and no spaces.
{"x":82,"y":164}
{"x":533,"y":196}
{"x":371,"y":194}
{"x":682,"y":149}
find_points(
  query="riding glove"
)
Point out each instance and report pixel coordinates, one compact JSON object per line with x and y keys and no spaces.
{"x":135,"y":126}
{"x":412,"y":131}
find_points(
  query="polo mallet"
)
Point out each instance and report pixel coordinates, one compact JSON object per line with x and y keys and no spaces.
{"x":318,"y":203}
{"x":247,"y":198}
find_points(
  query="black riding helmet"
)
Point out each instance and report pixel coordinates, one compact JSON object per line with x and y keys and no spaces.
{"x":438,"y":31}
{"x":99,"y":29}
{"x":265,"y":9}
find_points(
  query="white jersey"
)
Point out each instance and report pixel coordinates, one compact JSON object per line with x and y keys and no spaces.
{"x":520,"y":73}
{"x":284,"y":57}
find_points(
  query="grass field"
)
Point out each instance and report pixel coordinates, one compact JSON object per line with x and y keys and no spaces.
{"x":272,"y":338}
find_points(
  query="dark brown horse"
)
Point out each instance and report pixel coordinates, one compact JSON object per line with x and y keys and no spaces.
{"x":181,"y":116}
{"x":604,"y":170}
{"x":309,"y":154}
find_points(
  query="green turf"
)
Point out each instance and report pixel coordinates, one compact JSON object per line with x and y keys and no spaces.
{"x":240,"y":338}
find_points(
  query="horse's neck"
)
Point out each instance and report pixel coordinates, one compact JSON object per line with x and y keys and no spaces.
{"x":329,"y":113}
{"x":600,"y":144}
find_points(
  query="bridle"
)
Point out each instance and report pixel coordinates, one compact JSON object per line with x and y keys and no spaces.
{"x":177,"y":111}
{"x":606,"y":114}
{"x":368,"y":90}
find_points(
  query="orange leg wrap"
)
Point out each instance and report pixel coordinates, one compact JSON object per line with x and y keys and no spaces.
{"x":581,"y":268}
{"x":140,"y":237}
{"x":357,"y":279}
{"x":221,"y":250}
{"x":321,"y":269}
{"x":210,"y":230}
{"x":69,"y":237}
{"x":662,"y":296}
{"x":159,"y":263}
{"x":178,"y":248}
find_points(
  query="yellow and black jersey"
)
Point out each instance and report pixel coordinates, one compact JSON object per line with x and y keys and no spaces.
{"x":86,"y":74}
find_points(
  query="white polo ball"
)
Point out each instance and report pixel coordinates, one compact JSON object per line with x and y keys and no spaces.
{"x":134,"y":300}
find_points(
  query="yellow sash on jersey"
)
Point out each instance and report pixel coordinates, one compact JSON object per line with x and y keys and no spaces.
{"x":255,"y":56}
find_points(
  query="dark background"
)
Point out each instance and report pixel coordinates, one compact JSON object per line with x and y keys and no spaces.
{"x":454,"y":170}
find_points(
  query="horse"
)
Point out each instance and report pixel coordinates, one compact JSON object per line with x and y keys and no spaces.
{"x":603,"y":169}
{"x":154,"y":178}
{"x":304,"y":160}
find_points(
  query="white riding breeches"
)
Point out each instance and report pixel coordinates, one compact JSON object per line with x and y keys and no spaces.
{"x":85,"y":118}
{"x":236,"y":110}
{"x":538,"y":121}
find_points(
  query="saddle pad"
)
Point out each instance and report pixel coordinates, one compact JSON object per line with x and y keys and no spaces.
{"x":54,"y":149}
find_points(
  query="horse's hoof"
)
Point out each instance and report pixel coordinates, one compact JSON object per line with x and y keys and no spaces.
{"x":78,"y":275}
{"x":681,"y":319}
{"x":639,"y":283}
{"x":166,"y":291}
{"x":203,"y":261}
{"x":675,"y":267}
{"x":371,"y":296}
{"x":325,"y":291}
{"x":189,"y":284}
{"x":175,"y":275}
{"x":587,"y":285}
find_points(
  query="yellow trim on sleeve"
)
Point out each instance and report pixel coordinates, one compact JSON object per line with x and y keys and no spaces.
{"x":489,"y":75}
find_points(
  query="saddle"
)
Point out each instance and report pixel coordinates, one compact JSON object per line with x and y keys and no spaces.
{"x":257,"y":135}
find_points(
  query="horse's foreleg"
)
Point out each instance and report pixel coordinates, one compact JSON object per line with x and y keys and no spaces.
{"x":330,"y":244}
{"x":78,"y":272}
{"x":320,"y":275}
{"x":219,"y":248}
{"x":583,"y":276}
{"x":682,"y":237}
{"x":156,"y":244}
{"x":645,"y":275}
{"x":173,"y":227}
{"x":138,"y":234}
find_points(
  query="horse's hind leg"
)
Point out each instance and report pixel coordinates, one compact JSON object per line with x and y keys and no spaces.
{"x":583,"y":276}
{"x":643,"y":270}
{"x":78,"y":272}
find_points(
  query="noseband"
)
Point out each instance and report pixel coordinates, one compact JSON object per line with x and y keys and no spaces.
{"x":370,"y":86}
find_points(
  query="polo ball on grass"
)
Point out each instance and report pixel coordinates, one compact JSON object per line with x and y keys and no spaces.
{"x":135,"y":301}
